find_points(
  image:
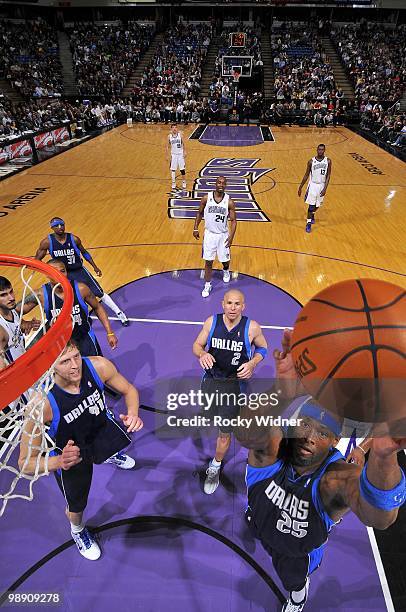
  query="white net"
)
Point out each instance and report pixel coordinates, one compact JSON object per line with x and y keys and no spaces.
{"x":22,"y":421}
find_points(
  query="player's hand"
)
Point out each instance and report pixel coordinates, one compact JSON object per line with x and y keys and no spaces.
{"x":98,"y":271}
{"x":206,"y":361}
{"x":133,"y":423}
{"x":299,"y":192}
{"x":246,"y":370}
{"x":112,"y":340}
{"x":286,"y":374}
{"x":322,"y":193}
{"x":196,"y":234}
{"x":70,"y":455}
{"x":356,"y":456}
{"x":27,"y":326}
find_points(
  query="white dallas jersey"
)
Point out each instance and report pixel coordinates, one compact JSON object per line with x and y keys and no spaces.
{"x":319,"y":169}
{"x":15,"y":346}
{"x":216,"y":214}
{"x":176,"y":144}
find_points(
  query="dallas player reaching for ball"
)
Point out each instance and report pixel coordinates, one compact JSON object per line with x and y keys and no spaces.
{"x":216,"y":208}
{"x":319,"y":170}
{"x":176,"y":153}
{"x":299,"y":485}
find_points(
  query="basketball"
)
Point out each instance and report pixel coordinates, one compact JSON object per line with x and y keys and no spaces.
{"x":349,"y":349}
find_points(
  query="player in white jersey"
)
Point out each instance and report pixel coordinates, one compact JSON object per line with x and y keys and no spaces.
{"x":216,"y":208}
{"x":176,"y":153}
{"x":319,"y":171}
{"x":12,"y":331}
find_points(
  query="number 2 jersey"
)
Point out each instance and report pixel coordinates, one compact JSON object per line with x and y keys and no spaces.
{"x":216,"y":214}
{"x":230,"y":348}
{"x":286,"y":509}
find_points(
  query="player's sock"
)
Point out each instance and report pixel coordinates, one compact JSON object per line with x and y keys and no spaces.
{"x":76,"y":528}
{"x":173,"y":175}
{"x":183,"y":184}
{"x":106,"y":299}
{"x":214,"y":463}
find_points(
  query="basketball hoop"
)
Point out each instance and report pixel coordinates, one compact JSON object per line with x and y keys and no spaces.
{"x":236,"y":75}
{"x":24,"y":385}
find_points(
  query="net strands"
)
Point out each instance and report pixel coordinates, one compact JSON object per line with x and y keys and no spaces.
{"x":22,"y":420}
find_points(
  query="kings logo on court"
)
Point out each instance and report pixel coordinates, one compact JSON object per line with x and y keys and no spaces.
{"x":240,"y":174}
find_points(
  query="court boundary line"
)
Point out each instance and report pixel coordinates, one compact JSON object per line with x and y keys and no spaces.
{"x":381,"y":570}
{"x":176,"y":322}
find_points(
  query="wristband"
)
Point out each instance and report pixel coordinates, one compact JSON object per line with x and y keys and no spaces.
{"x":87,"y":256}
{"x":262,"y":351}
{"x":195,"y":230}
{"x":111,"y":334}
{"x":383,"y":500}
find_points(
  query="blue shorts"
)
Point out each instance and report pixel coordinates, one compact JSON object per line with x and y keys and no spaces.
{"x":88,"y":345}
{"x":81,"y":275}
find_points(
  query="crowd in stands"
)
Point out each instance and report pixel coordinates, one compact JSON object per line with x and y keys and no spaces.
{"x":375,"y":61}
{"x":170,"y":84}
{"x":105,"y":56}
{"x":388,"y":125}
{"x":301,"y":70}
{"x":29,"y":58}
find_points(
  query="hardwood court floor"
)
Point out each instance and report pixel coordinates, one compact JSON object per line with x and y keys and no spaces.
{"x":113,"y":192}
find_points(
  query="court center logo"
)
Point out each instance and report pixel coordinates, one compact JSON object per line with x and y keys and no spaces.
{"x":241,"y":175}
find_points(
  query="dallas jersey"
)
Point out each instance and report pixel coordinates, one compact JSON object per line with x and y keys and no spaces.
{"x":68,"y":251}
{"x":230,"y":348}
{"x":216,"y":214}
{"x":80,"y":313}
{"x":84,"y":418}
{"x":286,"y":509}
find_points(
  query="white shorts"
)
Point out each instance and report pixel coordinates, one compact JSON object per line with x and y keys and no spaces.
{"x":215,"y":244}
{"x":312,"y":196}
{"x":177,"y":161}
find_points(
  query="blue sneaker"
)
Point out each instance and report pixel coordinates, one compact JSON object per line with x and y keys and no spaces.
{"x":122,"y":461}
{"x":308,"y":227}
{"x":87,"y":545}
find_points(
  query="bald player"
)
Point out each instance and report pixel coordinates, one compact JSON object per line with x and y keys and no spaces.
{"x":224,"y":348}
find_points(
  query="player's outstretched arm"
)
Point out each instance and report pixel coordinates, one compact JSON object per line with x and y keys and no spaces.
{"x":374,"y":493}
{"x":306,"y":176}
{"x":86,"y":255}
{"x":199,"y":217}
{"x":261,"y":349}
{"x":100,"y":313}
{"x":111,"y":377}
{"x":232,"y":215}
{"x":199,"y":346}
{"x":42,"y":249}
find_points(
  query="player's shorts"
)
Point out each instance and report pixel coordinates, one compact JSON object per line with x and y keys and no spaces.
{"x":75,"y":483}
{"x":88,"y":344}
{"x":292,"y":571}
{"x":177,"y":161}
{"x":225,"y":407}
{"x":215,"y":244}
{"x":81,"y":275}
{"x":312,"y":195}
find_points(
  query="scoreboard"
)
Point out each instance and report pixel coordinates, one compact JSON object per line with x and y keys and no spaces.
{"x":238,"y":39}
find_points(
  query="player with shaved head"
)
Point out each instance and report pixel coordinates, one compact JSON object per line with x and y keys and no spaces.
{"x":225,"y":351}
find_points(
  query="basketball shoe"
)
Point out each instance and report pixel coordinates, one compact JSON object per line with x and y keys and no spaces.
{"x":212,"y":479}
{"x":309,"y":227}
{"x":206,"y":290}
{"x":122,"y":317}
{"x":226,"y":276}
{"x":291,"y":605}
{"x":87,"y":545}
{"x":122,"y":461}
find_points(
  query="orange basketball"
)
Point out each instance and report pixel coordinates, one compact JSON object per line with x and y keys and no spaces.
{"x":349,"y":348}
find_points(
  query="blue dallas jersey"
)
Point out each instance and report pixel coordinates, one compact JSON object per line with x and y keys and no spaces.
{"x":84,"y":418}
{"x":230,"y":348}
{"x":80,"y":312}
{"x":286,"y":509}
{"x":68,"y":251}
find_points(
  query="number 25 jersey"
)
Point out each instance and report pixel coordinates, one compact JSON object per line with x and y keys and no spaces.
{"x":216,"y":214}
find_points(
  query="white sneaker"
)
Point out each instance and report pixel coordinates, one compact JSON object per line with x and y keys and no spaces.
{"x":212,"y":479}
{"x":206,"y":290}
{"x":87,"y":545}
{"x":122,"y":317}
{"x":291,"y":606}
{"x":226,"y":276}
{"x":122,"y":461}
